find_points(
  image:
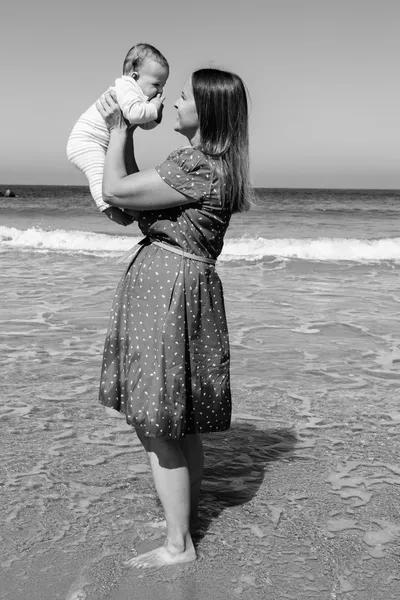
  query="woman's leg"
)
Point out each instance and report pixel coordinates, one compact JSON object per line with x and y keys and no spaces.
{"x":172,"y":481}
{"x":192,"y":448}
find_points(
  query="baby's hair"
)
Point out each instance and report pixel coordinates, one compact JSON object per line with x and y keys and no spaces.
{"x":138,"y":54}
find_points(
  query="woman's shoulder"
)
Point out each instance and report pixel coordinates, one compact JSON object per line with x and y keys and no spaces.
{"x":189,"y":170}
{"x":189,"y":159}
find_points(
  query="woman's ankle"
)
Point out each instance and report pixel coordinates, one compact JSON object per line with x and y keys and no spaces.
{"x":178,"y":544}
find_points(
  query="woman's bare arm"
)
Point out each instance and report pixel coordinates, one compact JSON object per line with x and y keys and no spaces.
{"x":125,"y":217}
{"x":143,"y":191}
{"x":131,"y":166}
{"x":130,"y":160}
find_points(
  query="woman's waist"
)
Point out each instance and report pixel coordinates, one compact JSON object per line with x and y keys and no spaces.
{"x":170,"y":246}
{"x":182,"y":251}
{"x":204,"y":249}
{"x":183,"y":237}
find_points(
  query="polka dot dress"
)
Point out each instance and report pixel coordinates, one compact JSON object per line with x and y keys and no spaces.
{"x":166,"y":354}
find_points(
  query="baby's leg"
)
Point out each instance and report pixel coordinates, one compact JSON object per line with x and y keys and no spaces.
{"x":89,"y":158}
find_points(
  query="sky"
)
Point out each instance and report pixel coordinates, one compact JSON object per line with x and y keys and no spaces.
{"x":323,"y":79}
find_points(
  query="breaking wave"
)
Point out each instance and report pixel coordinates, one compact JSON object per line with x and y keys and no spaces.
{"x":235,"y":249}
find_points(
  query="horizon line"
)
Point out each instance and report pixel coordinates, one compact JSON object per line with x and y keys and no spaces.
{"x":258,"y":187}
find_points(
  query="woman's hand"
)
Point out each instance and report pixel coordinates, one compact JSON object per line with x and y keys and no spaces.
{"x":109,"y":109}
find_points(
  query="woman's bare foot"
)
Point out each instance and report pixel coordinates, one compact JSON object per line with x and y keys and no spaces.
{"x":163,"y":556}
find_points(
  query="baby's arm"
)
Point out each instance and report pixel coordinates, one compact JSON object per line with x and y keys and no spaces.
{"x":134,"y":108}
{"x":158,"y":101}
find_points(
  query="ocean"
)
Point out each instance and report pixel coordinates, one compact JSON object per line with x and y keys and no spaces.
{"x":310,"y":280}
{"x":311,"y":284}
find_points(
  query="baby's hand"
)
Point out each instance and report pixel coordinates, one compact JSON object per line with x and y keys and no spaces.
{"x":160,"y":113}
{"x":118,"y":216}
{"x":158,"y":102}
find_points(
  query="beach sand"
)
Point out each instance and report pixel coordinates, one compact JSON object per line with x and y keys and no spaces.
{"x":300,"y":503}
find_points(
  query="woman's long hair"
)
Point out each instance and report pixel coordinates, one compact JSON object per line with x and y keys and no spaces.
{"x":221,"y":104}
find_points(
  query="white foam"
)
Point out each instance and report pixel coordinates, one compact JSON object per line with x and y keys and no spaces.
{"x":239,"y":249}
{"x":84,"y":242}
{"x":321,"y":249}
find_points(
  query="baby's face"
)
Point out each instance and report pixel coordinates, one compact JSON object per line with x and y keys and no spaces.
{"x":151,"y":78}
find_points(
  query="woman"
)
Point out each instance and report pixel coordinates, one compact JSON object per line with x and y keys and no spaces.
{"x":166,"y":356}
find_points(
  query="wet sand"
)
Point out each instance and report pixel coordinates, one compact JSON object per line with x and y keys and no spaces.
{"x":301,"y":496}
{"x":300,"y":501}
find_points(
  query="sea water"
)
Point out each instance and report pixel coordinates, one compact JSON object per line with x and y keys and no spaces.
{"x":311,"y":283}
{"x":310,"y":280}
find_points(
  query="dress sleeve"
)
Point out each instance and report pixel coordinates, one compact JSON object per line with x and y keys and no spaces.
{"x":189,"y":172}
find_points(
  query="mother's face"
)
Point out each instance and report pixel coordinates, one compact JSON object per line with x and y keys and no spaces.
{"x":187,"y":120}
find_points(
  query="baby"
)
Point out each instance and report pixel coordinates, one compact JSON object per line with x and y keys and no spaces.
{"x":138,"y":91}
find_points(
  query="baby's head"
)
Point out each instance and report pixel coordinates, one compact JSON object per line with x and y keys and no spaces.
{"x":148,"y":67}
